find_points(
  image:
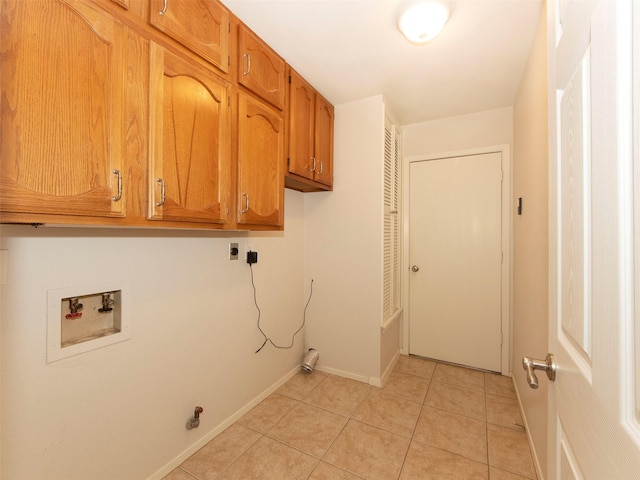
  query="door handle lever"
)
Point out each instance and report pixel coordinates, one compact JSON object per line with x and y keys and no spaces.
{"x":548,"y":365}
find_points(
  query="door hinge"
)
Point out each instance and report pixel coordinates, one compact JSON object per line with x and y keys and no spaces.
{"x":289,"y":78}
{"x":288,"y":162}
{"x":229,"y":60}
{"x":228,"y":100}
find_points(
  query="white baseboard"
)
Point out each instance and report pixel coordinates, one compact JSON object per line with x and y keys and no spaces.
{"x":177,"y":461}
{"x":374,"y":381}
{"x":534,"y":454}
{"x":379,"y":382}
{"x":344,"y":374}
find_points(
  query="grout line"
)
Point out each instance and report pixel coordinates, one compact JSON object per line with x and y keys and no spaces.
{"x":304,"y":400}
{"x":188,"y":473}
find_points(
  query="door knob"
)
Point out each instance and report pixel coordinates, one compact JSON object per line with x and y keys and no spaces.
{"x":415,"y":268}
{"x":548,"y":365}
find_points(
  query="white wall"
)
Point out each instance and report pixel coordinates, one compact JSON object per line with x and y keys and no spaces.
{"x":343,"y":246}
{"x":488,"y":128}
{"x":120,"y":412}
{"x":530,"y":235}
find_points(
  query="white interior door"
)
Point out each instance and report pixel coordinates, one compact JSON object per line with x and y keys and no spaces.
{"x":455,"y":251}
{"x":594,"y":407}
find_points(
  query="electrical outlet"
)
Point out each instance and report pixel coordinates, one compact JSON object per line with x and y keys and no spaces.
{"x":233,"y":251}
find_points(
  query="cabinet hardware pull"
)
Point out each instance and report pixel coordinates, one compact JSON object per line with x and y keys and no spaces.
{"x":246,"y":203}
{"x":313,"y":168}
{"x":164,"y":8}
{"x":320,"y":171}
{"x":161,"y":182}
{"x":118,"y":196}
{"x":248,"y":57}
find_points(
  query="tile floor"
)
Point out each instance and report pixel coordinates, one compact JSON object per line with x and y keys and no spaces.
{"x":431,"y":421}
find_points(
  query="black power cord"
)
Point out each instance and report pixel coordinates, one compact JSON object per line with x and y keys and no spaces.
{"x":266,"y":338}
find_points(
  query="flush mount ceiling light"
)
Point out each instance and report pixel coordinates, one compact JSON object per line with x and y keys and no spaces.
{"x":420,"y":22}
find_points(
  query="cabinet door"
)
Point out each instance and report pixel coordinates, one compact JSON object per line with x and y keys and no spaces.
{"x":260,"y":163}
{"x":189,"y":148}
{"x":301,"y":127}
{"x":200,"y":25}
{"x":260,"y":69}
{"x":63,"y":71}
{"x":323,"y":151}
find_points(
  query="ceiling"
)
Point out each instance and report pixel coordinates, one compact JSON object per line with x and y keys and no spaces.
{"x":351,"y":49}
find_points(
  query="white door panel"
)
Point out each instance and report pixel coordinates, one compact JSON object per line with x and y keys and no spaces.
{"x":455,"y":240}
{"x":593,"y":428}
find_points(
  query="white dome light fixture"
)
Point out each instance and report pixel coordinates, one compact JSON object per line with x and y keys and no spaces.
{"x":422,"y":21}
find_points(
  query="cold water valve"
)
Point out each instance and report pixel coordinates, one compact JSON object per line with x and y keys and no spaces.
{"x":194,"y":422}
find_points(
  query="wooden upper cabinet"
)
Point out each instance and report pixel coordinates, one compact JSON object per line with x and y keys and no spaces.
{"x":260,"y":69}
{"x":301,"y":127}
{"x":189,"y":149}
{"x":260,"y":189}
{"x":323,"y":141}
{"x":63,"y":76}
{"x":200,"y":25}
{"x":310,"y":137}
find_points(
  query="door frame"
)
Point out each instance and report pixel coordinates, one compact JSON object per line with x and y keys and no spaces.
{"x":507,"y":235}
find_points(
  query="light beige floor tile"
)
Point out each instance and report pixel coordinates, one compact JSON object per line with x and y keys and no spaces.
{"x":509,"y":450}
{"x":220,"y":452}
{"x":454,"y":375}
{"x":499,"y":385}
{"x":467,"y":401}
{"x":393,"y":414}
{"x":412,"y":365}
{"x":368,"y":452}
{"x":367,"y":447}
{"x":178,"y":474}
{"x":427,"y":463}
{"x":308,"y":428}
{"x":269,"y":459}
{"x":324,"y":471}
{"x":504,"y":411}
{"x":452,"y":432}
{"x":409,"y":387}
{"x":339,"y":395}
{"x":498,"y":474}
{"x":301,"y":384}
{"x":268,"y":412}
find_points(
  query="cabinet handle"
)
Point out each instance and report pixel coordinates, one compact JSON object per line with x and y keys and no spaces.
{"x":246,"y":203}
{"x":320,"y":171}
{"x":248,"y":57}
{"x":118,"y":196}
{"x":164,"y":8}
{"x":313,"y":160}
{"x":161,"y":202}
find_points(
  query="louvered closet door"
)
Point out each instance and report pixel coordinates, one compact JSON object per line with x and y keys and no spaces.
{"x":391,"y":253}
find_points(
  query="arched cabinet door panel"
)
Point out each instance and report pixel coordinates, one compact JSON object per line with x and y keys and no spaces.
{"x":62,"y":131}
{"x":200,"y":25}
{"x":260,"y":192}
{"x":260,"y":69}
{"x":189,"y":149}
